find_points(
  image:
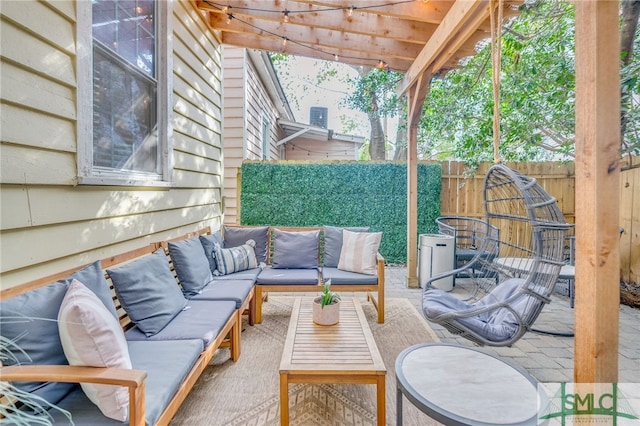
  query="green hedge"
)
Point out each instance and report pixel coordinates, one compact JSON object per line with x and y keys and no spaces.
{"x":370,"y":194}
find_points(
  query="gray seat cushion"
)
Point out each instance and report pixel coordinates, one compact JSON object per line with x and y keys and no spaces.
{"x":498,"y":324}
{"x":233,"y":290}
{"x":30,"y":320}
{"x":295,"y":250}
{"x":276,"y":276}
{"x":208,"y":242}
{"x":167,"y":363}
{"x":202,"y":319}
{"x":148,"y":291}
{"x":237,"y":236}
{"x":191,"y":265}
{"x":249,"y":274}
{"x":338,"y":276}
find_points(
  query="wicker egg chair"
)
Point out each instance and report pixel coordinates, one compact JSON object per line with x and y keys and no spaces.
{"x":518,"y":253}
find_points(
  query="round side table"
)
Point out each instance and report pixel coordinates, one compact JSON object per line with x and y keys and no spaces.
{"x":459,"y":385}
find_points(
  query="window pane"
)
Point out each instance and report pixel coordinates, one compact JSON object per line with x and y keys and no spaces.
{"x":127,"y":28}
{"x":124,"y":117}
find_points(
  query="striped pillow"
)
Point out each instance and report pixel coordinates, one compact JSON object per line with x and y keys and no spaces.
{"x":359,"y":250}
{"x":235,"y":259}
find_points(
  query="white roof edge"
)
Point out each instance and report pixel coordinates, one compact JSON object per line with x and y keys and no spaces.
{"x":327,"y":134}
{"x":267,"y":73}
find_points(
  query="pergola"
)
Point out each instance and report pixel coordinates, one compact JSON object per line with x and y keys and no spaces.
{"x":423,"y":38}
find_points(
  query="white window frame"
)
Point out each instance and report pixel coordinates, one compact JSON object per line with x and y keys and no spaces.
{"x":87,"y":174}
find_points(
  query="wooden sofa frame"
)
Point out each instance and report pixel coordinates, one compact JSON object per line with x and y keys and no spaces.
{"x":134,"y":380}
{"x":262,"y":291}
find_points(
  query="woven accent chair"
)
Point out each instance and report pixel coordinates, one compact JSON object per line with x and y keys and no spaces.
{"x":476,"y":243}
{"x":514,"y":270}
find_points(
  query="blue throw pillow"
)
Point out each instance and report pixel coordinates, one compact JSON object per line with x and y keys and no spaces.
{"x":333,"y":243}
{"x":30,"y":321}
{"x":148,"y":291}
{"x":191,"y":264}
{"x":236,"y":236}
{"x":208,"y":242}
{"x":295,"y":250}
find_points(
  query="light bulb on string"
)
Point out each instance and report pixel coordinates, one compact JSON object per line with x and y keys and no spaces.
{"x":225,"y":9}
{"x":284,"y":41}
{"x":351,"y":8}
{"x":336,"y":57}
{"x":286,"y":16}
{"x":229,"y":18}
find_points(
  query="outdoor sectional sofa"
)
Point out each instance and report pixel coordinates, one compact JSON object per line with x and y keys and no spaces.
{"x":300,"y":259}
{"x":140,"y":327}
{"x":128,"y":313}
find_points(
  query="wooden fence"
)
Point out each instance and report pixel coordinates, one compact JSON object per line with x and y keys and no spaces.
{"x":462,"y":195}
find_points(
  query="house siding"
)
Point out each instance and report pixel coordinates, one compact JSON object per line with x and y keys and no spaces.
{"x":310,"y":149}
{"x":246,"y":100}
{"x":48,"y":222}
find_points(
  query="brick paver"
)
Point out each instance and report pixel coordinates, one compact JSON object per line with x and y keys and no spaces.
{"x":547,"y":357}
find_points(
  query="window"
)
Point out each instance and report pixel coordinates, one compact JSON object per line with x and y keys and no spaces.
{"x":128,"y":140}
{"x":266,"y":143}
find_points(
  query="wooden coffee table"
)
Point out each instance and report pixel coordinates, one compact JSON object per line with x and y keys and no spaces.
{"x":341,"y":353}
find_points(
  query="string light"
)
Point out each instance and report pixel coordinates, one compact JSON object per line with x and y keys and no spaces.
{"x":223,"y":8}
{"x":314,"y":10}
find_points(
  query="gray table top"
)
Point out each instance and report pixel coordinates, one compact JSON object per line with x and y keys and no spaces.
{"x":464,"y":385}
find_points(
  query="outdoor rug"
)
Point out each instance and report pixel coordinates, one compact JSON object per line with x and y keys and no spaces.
{"x":247,"y":392}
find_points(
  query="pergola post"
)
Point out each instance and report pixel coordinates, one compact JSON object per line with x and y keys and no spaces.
{"x":597,"y":181}
{"x":415,"y":98}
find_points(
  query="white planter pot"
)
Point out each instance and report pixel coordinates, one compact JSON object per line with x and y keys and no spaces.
{"x":329,"y":315}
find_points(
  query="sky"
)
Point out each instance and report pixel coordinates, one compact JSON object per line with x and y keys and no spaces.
{"x":299,"y":82}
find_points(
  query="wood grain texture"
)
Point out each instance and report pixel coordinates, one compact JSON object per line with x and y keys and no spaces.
{"x":341,"y":353}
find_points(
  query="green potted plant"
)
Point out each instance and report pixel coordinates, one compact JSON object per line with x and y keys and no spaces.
{"x":326,"y":307}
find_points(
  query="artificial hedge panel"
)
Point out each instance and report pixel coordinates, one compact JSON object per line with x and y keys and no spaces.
{"x":374,"y":194}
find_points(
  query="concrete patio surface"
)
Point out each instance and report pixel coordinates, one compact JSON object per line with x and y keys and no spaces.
{"x":549,"y":358}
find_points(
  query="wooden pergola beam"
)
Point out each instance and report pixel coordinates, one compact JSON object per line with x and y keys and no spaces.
{"x":415,"y":99}
{"x":457,"y":17}
{"x":597,"y":285}
{"x":320,"y":38}
{"x":366,"y":24}
{"x":272,"y":44}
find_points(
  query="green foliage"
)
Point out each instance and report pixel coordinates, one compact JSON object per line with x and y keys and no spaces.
{"x":328,"y":297}
{"x":375,"y":93}
{"x":341,"y":194}
{"x":537,"y":94}
{"x":20,"y":407}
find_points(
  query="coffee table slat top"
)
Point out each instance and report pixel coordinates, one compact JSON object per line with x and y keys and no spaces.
{"x":317,"y":349}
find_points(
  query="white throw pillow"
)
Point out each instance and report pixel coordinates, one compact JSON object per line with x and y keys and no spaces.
{"x":359,"y":250}
{"x":91,"y":336}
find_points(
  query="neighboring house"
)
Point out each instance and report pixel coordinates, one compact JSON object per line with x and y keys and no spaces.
{"x":108,"y":142}
{"x":254,"y":101}
{"x":307,"y":142}
{"x":259,"y":124}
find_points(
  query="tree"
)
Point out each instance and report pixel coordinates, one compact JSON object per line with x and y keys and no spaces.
{"x":537,"y":93}
{"x":374,"y":94}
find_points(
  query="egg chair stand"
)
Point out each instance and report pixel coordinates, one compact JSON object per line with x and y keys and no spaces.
{"x":515,"y":267}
